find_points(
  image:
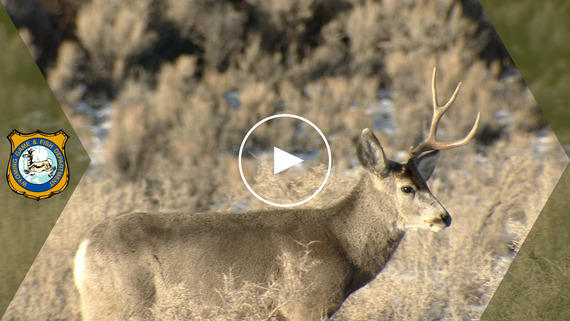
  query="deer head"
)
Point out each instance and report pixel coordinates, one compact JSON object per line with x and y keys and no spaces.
{"x":405,"y":183}
{"x":29,"y":154}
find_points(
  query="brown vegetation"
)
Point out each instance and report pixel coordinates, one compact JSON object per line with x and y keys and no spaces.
{"x":179,"y":83}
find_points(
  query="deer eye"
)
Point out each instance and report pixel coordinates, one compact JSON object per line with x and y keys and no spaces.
{"x":407,"y":189}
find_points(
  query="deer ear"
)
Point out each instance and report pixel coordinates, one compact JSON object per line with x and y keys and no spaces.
{"x":426,"y":164}
{"x":370,"y":153}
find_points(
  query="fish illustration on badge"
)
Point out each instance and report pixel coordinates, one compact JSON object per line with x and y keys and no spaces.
{"x":38,"y":168}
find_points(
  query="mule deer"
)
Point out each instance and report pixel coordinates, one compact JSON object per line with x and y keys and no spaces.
{"x":125,"y":264}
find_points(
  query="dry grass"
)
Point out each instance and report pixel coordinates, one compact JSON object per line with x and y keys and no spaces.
{"x":453,"y":273}
{"x":243,"y":301}
{"x":184,"y":86}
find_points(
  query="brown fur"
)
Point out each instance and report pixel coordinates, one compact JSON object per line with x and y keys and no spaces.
{"x":126,"y":263}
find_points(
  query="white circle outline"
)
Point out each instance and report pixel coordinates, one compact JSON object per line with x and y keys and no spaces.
{"x":280,"y":116}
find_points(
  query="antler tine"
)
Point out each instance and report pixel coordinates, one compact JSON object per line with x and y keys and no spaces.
{"x":430,"y":143}
{"x":438,"y":111}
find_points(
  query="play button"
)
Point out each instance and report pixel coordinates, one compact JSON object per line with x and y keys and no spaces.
{"x":283,"y":160}
{"x":294,"y":172}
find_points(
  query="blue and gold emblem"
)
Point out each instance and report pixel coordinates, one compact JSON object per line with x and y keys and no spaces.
{"x":38,"y":166}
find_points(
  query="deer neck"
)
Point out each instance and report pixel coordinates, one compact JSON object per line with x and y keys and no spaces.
{"x":365,"y":224}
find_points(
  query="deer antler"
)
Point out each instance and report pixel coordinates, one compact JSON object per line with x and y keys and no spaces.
{"x":430,"y":143}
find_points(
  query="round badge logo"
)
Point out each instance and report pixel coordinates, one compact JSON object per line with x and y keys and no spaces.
{"x":38,"y":167}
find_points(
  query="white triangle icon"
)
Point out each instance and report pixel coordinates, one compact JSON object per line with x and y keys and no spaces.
{"x":283,"y":160}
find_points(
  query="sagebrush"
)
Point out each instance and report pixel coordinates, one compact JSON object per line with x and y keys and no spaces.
{"x":162,"y":92}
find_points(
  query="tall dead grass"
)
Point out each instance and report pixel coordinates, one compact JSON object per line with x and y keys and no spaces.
{"x":493,"y":200}
{"x":185,"y":82}
{"x":243,"y":301}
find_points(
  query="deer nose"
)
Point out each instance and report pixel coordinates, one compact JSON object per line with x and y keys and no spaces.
{"x":446,"y":218}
